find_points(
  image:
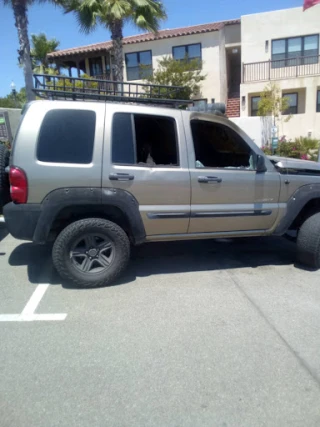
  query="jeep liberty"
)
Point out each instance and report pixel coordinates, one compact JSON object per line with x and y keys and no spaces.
{"x":94,"y":178}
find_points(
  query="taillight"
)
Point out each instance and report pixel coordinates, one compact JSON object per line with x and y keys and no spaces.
{"x":18,"y":185}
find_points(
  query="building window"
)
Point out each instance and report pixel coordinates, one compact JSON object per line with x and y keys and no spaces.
{"x":293,"y":103}
{"x":255,"y":105}
{"x":318,"y":101}
{"x":189,"y":52}
{"x":139,"y":65}
{"x":67,"y":136}
{"x":295,"y":51}
{"x":144,"y":140}
{"x":95,"y":66}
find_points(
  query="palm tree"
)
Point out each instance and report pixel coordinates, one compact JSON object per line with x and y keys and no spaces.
{"x":113,"y":14}
{"x":21,"y":22}
{"x":41,"y":46}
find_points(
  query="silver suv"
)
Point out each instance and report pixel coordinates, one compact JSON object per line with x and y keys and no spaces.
{"x":95,"y":177}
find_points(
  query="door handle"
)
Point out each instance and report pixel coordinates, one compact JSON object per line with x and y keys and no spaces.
{"x":207,"y":179}
{"x":121,"y":177}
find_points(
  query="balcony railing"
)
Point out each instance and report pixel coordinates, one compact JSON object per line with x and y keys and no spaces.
{"x":281,"y":69}
{"x":72,"y":88}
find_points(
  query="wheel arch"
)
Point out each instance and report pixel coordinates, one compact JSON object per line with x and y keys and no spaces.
{"x":302,"y":204}
{"x":63,"y":206}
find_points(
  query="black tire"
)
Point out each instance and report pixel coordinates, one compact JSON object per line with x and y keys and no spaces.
{"x":308,"y":242}
{"x":64,"y":259}
{"x":4,"y":177}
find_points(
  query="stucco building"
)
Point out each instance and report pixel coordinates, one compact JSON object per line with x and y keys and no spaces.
{"x":239,"y":57}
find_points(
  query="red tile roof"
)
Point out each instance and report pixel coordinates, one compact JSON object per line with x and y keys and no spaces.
{"x":146,"y":37}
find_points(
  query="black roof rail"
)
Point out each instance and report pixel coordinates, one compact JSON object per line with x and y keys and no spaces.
{"x":88,"y":89}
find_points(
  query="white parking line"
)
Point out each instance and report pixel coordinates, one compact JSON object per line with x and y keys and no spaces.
{"x":28,"y":314}
{"x":33,"y":302}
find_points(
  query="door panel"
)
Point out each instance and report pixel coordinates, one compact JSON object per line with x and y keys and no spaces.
{"x":243,"y":200}
{"x":229,"y":198}
{"x":163,"y":192}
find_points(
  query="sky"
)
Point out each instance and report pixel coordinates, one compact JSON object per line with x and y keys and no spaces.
{"x":51,"y":20}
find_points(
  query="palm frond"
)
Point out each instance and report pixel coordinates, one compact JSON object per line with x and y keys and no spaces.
{"x":86,"y":12}
{"x":148,"y":14}
{"x":119,"y":9}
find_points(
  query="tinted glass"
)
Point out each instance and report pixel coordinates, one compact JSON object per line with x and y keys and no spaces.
{"x":145,"y":71}
{"x":95,"y":66}
{"x":179,"y":52}
{"x":295,"y":45}
{"x":145,"y":58}
{"x":133,"y":73}
{"x":255,"y":105}
{"x":278,"y":46}
{"x":278,"y":53}
{"x":132,"y":59}
{"x":293,"y":103}
{"x":67,"y":136}
{"x":194,"y":51}
{"x":311,"y":43}
{"x":139,"y":65}
{"x":123,"y":150}
{"x":293,"y":99}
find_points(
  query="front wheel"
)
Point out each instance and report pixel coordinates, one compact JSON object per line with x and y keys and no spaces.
{"x":308,"y":242}
{"x":91,"y":252}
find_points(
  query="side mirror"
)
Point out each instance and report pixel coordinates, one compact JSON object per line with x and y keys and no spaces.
{"x":260,"y":164}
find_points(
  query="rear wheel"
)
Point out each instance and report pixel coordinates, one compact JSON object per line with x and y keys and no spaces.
{"x":91,"y":252}
{"x":308,"y":242}
{"x":4,"y":177}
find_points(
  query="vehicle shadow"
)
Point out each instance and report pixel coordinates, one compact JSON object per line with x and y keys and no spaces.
{"x":170,"y":257}
{"x":3,"y":231}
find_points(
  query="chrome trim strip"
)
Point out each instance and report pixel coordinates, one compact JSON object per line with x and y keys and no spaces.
{"x":171,"y":215}
{"x":168,"y":215}
{"x":230,"y":214}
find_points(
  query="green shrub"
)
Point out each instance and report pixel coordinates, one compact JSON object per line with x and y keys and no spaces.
{"x":65,"y":83}
{"x":301,"y":148}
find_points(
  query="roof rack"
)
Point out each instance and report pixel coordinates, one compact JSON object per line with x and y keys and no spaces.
{"x":87,"y":89}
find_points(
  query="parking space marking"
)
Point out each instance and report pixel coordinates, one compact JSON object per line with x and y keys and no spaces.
{"x":28,"y":314}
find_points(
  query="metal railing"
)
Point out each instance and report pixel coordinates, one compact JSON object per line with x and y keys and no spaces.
{"x":74,"y":88}
{"x":281,"y":69}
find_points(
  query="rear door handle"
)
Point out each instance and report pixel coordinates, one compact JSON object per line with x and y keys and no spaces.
{"x":121,"y":177}
{"x":207,"y":179}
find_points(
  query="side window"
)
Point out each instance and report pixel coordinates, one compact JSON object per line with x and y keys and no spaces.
{"x":146,"y":140}
{"x":218,"y":146}
{"x":67,"y":136}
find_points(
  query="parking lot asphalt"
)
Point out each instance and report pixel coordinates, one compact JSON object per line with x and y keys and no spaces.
{"x":195,"y":334}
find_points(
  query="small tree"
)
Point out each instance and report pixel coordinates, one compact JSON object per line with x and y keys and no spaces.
{"x":171,"y":72}
{"x":272,"y":103}
{"x":14,"y":101}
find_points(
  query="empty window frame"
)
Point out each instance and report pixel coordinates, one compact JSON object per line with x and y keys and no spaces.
{"x":218,"y":146}
{"x":145,"y":140}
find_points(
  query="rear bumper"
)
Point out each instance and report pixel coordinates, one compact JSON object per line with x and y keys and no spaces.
{"x":21,"y":220}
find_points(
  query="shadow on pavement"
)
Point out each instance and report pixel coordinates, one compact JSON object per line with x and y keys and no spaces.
{"x":173,"y":257}
{"x":3,"y":231}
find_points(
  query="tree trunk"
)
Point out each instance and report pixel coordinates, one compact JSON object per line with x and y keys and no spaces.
{"x":21,"y":22}
{"x":117,"y":37}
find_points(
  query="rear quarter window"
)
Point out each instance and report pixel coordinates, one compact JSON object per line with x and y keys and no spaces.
{"x":67,"y":136}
